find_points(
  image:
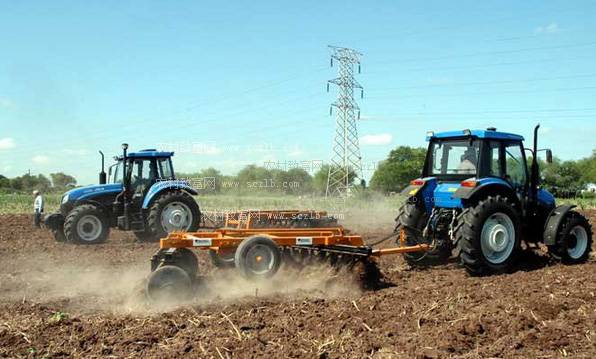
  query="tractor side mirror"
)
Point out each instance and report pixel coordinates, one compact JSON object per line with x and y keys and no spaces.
{"x":549,"y":156}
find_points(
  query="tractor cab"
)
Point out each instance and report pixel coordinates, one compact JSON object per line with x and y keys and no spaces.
{"x":478,"y":194}
{"x":459,"y":162}
{"x":143,"y":170}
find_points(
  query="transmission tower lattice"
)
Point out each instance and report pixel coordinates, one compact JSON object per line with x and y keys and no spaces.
{"x":345,"y":165}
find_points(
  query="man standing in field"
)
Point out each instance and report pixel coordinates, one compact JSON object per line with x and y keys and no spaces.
{"x":38,"y":208}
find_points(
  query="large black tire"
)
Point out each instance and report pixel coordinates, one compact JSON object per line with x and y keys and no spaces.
{"x":154,"y":228}
{"x":412,"y":219}
{"x":86,"y":224}
{"x":493,"y":221}
{"x":574,"y":240}
{"x":258,"y":257}
{"x":169,"y":284}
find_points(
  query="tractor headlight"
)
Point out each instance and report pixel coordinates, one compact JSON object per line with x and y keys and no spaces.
{"x":65,"y":199}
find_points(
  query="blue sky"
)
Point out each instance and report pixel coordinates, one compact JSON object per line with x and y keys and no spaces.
{"x":232,"y":83}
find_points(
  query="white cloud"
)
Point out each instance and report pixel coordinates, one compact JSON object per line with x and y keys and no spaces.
{"x":551,"y":28}
{"x":7,"y":143}
{"x":40,"y":159}
{"x":376,"y":140}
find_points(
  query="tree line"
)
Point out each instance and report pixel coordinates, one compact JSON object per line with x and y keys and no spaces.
{"x":562,"y":178}
{"x":57,"y":182}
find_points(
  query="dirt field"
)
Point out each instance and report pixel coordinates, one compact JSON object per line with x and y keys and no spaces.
{"x":61,"y":300}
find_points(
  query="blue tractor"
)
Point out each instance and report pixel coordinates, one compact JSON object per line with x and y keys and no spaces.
{"x":142,"y":195}
{"x":478,"y":196}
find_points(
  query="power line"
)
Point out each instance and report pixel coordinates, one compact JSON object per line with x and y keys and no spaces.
{"x":499,"y":92}
{"x":473,"y":83}
{"x":486,"y":53}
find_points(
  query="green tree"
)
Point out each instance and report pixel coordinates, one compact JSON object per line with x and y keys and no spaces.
{"x":60,"y":179}
{"x":401,"y":166}
{"x":295,"y":180}
{"x":563,"y":179}
{"x":4,"y":182}
{"x":587,"y":167}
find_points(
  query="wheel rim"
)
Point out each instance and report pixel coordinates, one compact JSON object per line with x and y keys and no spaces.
{"x":89,"y":228}
{"x":497,"y":238}
{"x":577,"y":242}
{"x":176,"y":216}
{"x":260,"y":259}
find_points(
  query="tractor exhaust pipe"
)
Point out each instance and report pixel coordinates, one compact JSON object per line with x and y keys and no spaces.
{"x":125,"y":187}
{"x":102,"y":174}
{"x":535,"y":174}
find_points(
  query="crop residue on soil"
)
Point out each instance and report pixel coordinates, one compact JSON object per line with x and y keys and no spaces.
{"x":64,"y":300}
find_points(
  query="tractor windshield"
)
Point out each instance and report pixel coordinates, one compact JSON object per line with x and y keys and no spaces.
{"x":454,"y":158}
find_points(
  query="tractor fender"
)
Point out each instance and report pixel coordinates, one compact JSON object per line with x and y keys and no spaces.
{"x":553,"y":222}
{"x":97,"y":204}
{"x":421,"y":190}
{"x":486,"y":187}
{"x":162,"y":186}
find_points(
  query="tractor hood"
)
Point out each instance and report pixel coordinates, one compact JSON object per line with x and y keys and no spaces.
{"x":91,"y":191}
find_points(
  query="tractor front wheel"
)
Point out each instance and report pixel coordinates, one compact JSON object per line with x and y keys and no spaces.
{"x":86,"y":224}
{"x":489,"y":237}
{"x":574,"y":240}
{"x":171,"y":211}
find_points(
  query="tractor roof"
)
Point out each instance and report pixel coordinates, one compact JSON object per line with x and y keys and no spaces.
{"x":489,"y":133}
{"x":150,"y":153}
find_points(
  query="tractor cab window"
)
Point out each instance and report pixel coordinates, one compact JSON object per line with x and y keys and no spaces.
{"x":494,"y":156}
{"x":516,"y":164}
{"x":143,"y":173}
{"x":165,"y":168}
{"x":454,"y":157}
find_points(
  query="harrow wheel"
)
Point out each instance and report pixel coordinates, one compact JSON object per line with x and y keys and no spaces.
{"x":258,"y":257}
{"x":182,"y":258}
{"x":169,"y":283}
{"x":223,"y":258}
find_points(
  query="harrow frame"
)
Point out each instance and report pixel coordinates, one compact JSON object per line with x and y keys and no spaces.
{"x":333,"y":238}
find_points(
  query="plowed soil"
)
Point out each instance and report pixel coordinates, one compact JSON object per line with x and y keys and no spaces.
{"x":64,"y":300}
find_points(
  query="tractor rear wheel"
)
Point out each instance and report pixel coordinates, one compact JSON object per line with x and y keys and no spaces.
{"x":574,"y":240}
{"x":489,"y":237}
{"x":413,"y":218}
{"x":171,"y":211}
{"x":258,"y":257}
{"x":86,"y":224}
